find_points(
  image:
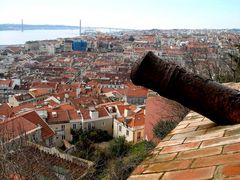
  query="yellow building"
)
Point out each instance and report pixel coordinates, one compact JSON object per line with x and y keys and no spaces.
{"x":128,"y":121}
{"x":65,"y":117}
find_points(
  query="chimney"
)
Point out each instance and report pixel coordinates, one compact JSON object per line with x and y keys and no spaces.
{"x":78,"y":91}
{"x":66,"y":97}
{"x":54,"y":114}
{"x":93,"y":114}
{"x":127,"y":112}
{"x":110,"y":109}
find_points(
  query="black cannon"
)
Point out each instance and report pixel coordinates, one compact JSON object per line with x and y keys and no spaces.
{"x":217,"y":102}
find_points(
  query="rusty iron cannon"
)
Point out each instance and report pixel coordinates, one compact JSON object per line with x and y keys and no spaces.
{"x":217,"y":102}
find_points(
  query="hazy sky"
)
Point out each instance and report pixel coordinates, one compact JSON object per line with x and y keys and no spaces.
{"x":140,"y":14}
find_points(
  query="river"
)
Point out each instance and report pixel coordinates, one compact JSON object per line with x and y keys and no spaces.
{"x":19,"y":37}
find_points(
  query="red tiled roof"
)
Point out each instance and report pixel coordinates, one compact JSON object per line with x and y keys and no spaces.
{"x":121,"y":108}
{"x":15,"y":49}
{"x":44,"y":85}
{"x":14,"y":127}
{"x":6,"y":82}
{"x":133,"y":120}
{"x":108,"y":104}
{"x":61,"y":95}
{"x":73,"y":87}
{"x":51,"y":103}
{"x":82,"y":101}
{"x":73,"y":115}
{"x":38,"y":92}
{"x":61,"y":117}
{"x":37,"y":120}
{"x":137,"y":92}
{"x":61,"y":107}
{"x":23,"y":97}
{"x":138,"y":120}
{"x":85,"y":114}
{"x":86,"y":101}
{"x":65,"y":113}
{"x":6,"y":110}
{"x":23,"y":106}
{"x":102,"y":112}
{"x":93,"y":83}
{"x":120,"y":91}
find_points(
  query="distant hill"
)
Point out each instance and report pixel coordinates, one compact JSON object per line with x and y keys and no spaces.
{"x":14,"y":27}
{"x":235,"y":30}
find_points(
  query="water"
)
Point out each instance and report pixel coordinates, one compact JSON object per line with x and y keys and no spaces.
{"x":18,"y":37}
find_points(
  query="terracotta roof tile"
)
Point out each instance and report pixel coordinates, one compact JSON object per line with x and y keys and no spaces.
{"x":136,"y":118}
{"x":73,"y":115}
{"x":72,"y":87}
{"x":61,"y":117}
{"x":6,"y":110}
{"x":44,"y":85}
{"x":6,"y":82}
{"x":102,"y":112}
{"x":85,"y":114}
{"x":61,"y":95}
{"x":33,"y":117}
{"x":23,"y":97}
{"x":14,"y":127}
{"x":108,"y":104}
{"x":61,"y":107}
{"x":64,"y":113}
{"x":137,"y":93}
{"x":23,"y":106}
{"x":38,"y":92}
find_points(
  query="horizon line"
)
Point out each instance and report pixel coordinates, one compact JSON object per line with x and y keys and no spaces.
{"x":74,"y":26}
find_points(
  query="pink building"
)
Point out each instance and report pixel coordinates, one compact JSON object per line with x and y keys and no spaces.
{"x":159,"y":108}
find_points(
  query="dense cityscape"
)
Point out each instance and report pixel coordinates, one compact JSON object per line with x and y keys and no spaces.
{"x":53,"y":91}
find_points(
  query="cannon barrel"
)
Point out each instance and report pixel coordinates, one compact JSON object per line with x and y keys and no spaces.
{"x":217,"y":102}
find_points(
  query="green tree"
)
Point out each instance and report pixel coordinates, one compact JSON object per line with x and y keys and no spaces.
{"x":163,"y":127}
{"x":76,"y":135}
{"x":98,"y":135}
{"x":85,"y":147}
{"x":94,"y":135}
{"x":121,"y":167}
{"x":119,"y":147}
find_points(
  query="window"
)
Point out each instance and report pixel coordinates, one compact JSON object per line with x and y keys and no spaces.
{"x":34,"y":137}
{"x":127,"y":132}
{"x":63,"y":137}
{"x":138,"y":135}
{"x":50,"y":141}
{"x":120,"y":128}
{"x":89,"y":125}
{"x":103,"y":123}
{"x":63,"y":127}
{"x":93,"y":125}
{"x":74,"y":126}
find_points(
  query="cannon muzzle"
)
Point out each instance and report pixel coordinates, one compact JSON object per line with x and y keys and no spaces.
{"x":217,"y":102}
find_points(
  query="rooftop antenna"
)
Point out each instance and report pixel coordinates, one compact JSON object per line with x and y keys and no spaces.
{"x":22,"y":25}
{"x":80,"y":27}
